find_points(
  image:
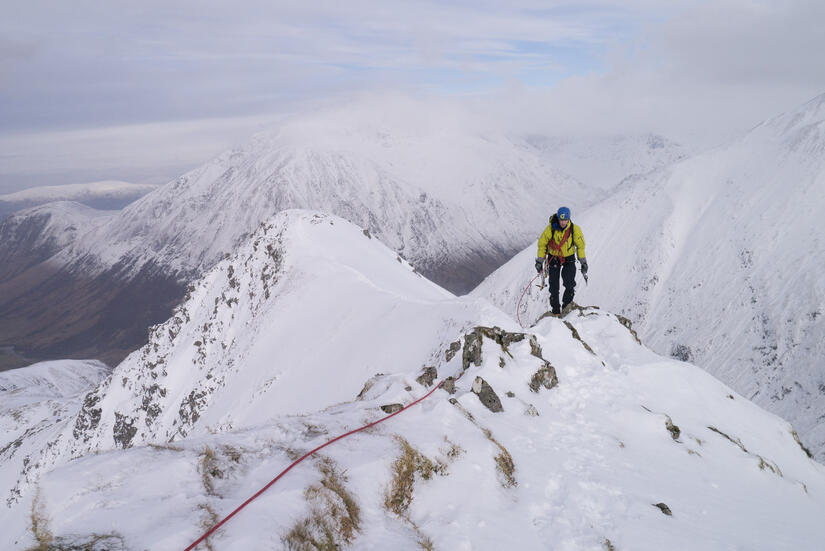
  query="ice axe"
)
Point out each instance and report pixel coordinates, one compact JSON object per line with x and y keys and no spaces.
{"x":543,"y":274}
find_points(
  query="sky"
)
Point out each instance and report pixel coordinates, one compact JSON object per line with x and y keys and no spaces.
{"x":143,"y":91}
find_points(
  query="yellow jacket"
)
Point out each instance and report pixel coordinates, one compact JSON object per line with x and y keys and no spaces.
{"x":574,"y":243}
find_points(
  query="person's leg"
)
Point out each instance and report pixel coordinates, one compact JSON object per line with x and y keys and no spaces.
{"x":553,"y":281}
{"x":568,"y":276}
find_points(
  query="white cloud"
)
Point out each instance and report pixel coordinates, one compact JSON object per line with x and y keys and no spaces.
{"x":694,"y":70}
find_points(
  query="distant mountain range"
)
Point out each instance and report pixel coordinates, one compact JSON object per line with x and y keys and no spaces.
{"x":105,"y":195}
{"x":454,"y":201}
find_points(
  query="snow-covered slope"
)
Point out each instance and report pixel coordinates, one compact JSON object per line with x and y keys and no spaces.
{"x":575,"y":437}
{"x":604,"y":161}
{"x":35,"y":403}
{"x":718,"y":260}
{"x":57,"y":379}
{"x":34,"y":235}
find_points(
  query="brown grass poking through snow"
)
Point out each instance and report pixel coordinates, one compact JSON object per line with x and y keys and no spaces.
{"x":39,"y":524}
{"x":334,"y":517}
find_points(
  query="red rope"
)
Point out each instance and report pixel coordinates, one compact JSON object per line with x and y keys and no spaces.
{"x":274,"y":480}
{"x":518,"y":306}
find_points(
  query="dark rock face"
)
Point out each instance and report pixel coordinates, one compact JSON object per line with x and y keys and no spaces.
{"x":487,"y":395}
{"x":453,"y":350}
{"x":664,"y":508}
{"x":681,"y":352}
{"x":627,"y":323}
{"x":426,"y":379}
{"x":674,"y":430}
{"x":88,"y":418}
{"x":391,"y":408}
{"x":474,"y":339}
{"x":545,"y":377}
{"x":449,"y":385}
{"x":124,"y":430}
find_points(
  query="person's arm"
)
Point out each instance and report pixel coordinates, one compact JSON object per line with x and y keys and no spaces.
{"x":578,"y":241}
{"x":544,"y":238}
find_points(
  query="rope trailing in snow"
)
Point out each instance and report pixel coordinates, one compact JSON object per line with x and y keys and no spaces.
{"x":282,"y":473}
{"x":518,"y":306}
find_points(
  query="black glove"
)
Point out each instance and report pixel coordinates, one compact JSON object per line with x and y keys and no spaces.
{"x":584,"y":266}
{"x":539,"y":264}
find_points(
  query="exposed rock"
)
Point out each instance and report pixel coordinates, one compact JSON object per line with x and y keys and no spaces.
{"x":391,"y":408}
{"x":681,"y":352}
{"x":626,"y":322}
{"x":535,"y":349}
{"x":89,"y":416}
{"x":453,"y":350}
{"x":368,"y":385}
{"x":531,"y":411}
{"x":545,"y":377}
{"x":664,"y":508}
{"x":426,"y":379}
{"x":473,"y":341}
{"x":798,"y":441}
{"x":578,"y":338}
{"x":472,"y":350}
{"x":449,"y":385}
{"x":487,"y":395}
{"x":673,"y":429}
{"x":124,"y":430}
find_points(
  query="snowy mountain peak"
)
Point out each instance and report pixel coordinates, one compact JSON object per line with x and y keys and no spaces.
{"x":802,"y":129}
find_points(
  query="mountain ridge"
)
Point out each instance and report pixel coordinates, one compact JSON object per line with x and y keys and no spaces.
{"x":596,"y":440}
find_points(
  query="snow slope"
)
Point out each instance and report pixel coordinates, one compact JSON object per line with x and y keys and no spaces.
{"x":604,"y":161}
{"x":36,"y":234}
{"x":596,"y":438}
{"x":717,"y":260}
{"x":35,"y":403}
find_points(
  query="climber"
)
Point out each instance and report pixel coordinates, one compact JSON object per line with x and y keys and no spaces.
{"x":556,"y":248}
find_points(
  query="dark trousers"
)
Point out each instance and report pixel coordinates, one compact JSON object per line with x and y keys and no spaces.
{"x":568,"y":277}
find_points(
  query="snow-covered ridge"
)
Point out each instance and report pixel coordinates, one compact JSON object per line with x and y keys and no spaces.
{"x":36,"y":234}
{"x":567,"y":435}
{"x":571,"y":433}
{"x":57,"y":379}
{"x":716,"y":260}
{"x":305,"y":294}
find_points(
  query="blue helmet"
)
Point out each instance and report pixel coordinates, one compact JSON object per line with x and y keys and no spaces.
{"x":563,"y":213}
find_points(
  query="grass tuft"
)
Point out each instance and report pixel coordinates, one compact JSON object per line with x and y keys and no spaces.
{"x":334,"y":518}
